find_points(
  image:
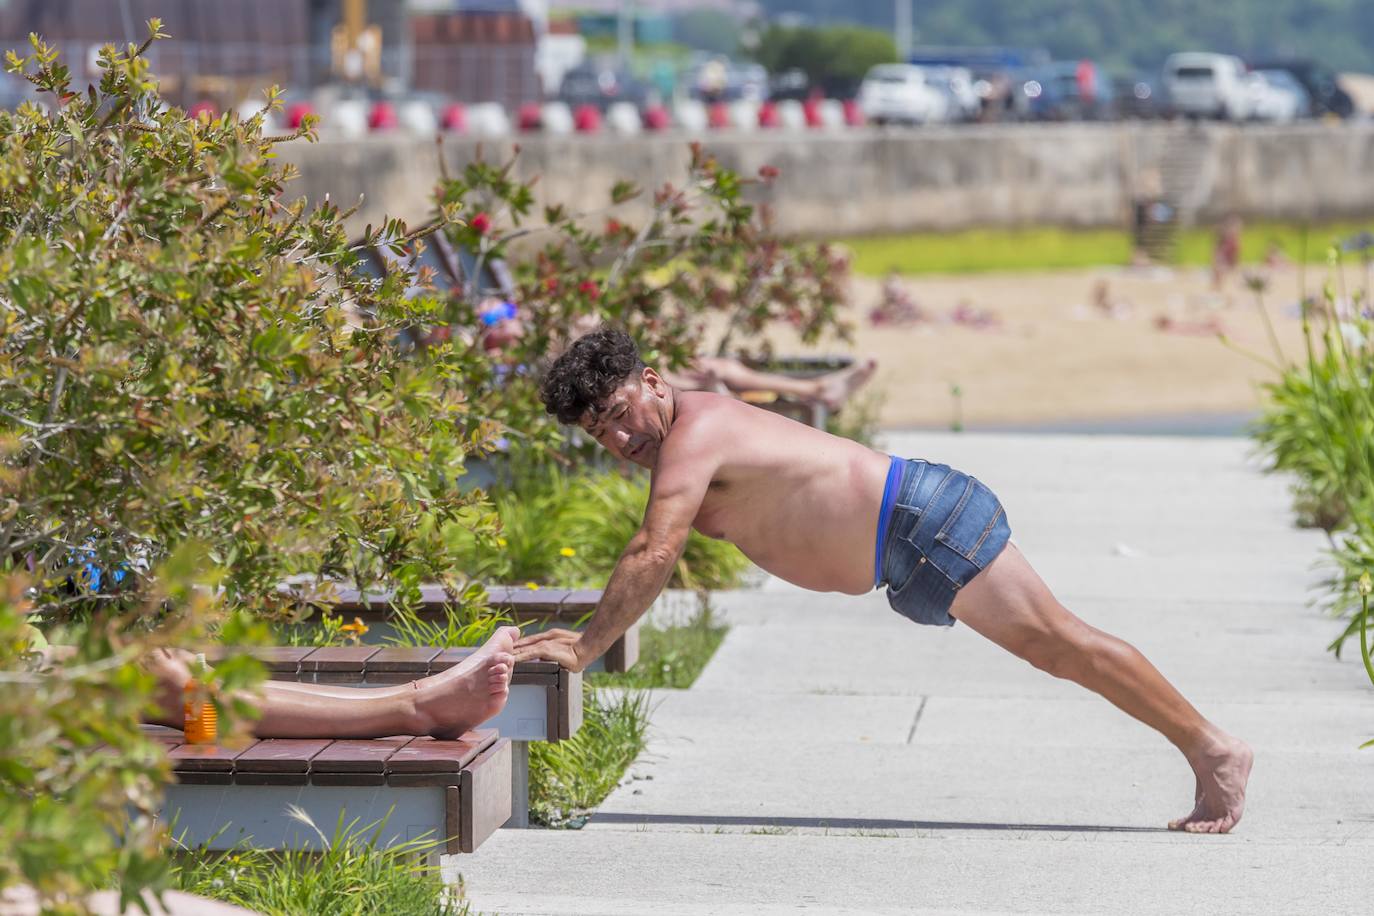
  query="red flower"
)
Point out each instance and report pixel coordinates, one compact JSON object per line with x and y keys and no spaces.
{"x":551,"y":284}
{"x":480,"y":222}
{"x":613,"y":227}
{"x":768,"y":172}
{"x":589,"y":289}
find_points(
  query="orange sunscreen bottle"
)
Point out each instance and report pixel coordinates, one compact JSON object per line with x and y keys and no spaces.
{"x":202,"y":722}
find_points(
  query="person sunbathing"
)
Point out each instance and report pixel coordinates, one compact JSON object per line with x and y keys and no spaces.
{"x":443,"y":705}
{"x":727,"y":375}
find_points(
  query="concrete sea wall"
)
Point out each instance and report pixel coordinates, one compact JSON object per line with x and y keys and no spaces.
{"x":874,"y":181}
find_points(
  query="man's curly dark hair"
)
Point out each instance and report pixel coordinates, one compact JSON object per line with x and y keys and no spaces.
{"x":588,"y":371}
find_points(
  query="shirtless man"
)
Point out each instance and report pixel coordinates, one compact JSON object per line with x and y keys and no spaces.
{"x":829,"y":514}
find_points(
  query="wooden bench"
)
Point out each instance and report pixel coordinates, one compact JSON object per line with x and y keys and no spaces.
{"x":545,"y":702}
{"x":456,"y":793}
{"x":533,"y":609}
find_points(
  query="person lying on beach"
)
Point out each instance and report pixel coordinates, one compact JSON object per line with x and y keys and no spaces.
{"x":832,"y":515}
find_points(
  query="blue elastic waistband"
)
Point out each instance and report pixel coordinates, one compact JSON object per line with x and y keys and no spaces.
{"x":894,"y":478}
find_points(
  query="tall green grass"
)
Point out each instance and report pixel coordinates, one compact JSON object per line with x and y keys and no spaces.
{"x":1318,"y":425}
{"x":570,"y":778}
{"x":354,"y":875}
{"x":973,"y":251}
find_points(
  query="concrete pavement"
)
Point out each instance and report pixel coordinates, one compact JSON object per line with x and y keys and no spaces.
{"x":836,"y":758}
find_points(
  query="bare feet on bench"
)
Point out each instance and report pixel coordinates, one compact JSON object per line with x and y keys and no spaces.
{"x":1222,"y":770}
{"x":838,"y":387}
{"x":471,"y":692}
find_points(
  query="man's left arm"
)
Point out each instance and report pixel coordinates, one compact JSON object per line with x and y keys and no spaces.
{"x":644,"y":567}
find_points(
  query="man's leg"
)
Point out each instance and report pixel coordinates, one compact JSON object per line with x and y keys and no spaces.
{"x":1009,"y":604}
{"x":444,"y":705}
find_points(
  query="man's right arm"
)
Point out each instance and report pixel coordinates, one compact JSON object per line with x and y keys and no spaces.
{"x":644,"y":567}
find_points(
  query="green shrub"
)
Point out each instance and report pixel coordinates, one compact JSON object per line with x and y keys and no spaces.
{"x":564,"y":529}
{"x":1318,"y":425}
{"x":198,"y":387}
{"x":353,"y":875}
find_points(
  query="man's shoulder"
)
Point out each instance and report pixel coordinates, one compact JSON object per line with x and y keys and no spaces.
{"x":703,"y":425}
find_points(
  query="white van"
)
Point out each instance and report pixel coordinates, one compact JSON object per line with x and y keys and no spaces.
{"x":1208,"y":85}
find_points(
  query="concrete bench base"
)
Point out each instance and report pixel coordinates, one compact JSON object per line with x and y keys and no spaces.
{"x":456,"y":793}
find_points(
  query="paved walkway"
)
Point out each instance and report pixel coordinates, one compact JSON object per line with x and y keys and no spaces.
{"x":837,"y":759}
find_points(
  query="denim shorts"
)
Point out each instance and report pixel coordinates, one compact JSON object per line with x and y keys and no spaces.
{"x":943,"y":529}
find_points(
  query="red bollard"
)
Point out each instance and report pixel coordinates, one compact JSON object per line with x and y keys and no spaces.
{"x":529,"y":117}
{"x":811,"y":109}
{"x":587,"y":119}
{"x":853,"y":114}
{"x":718,"y":115}
{"x":455,"y":118}
{"x":382,"y":116}
{"x":295,"y":114}
{"x":768,"y":115}
{"x":656,"y":118}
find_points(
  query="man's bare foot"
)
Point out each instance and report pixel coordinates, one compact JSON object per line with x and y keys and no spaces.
{"x":838,"y":387}
{"x":451,"y":702}
{"x":1222,"y":770}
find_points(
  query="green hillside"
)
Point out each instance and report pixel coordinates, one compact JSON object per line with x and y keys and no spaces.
{"x":1126,"y":34}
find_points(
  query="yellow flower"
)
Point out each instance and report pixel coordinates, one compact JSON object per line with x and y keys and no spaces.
{"x":532,"y":586}
{"x":355,"y":629}
{"x":1366,"y":585}
{"x":500,"y":542}
{"x":568,"y":552}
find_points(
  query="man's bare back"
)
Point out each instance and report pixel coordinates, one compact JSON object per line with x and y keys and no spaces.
{"x":799,"y":502}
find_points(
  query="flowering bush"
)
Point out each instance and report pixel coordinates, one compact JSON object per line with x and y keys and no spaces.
{"x":198,"y":386}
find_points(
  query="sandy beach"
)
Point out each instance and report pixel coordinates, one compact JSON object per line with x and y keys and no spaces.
{"x":1056,"y":356}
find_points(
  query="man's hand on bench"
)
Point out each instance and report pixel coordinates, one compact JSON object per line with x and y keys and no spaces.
{"x":562,"y":646}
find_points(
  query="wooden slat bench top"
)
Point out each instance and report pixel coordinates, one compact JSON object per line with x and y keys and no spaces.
{"x":458,"y":791}
{"x":308,"y":757}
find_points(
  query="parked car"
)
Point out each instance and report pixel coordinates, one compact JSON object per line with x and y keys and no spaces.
{"x":962,"y":100}
{"x":1277,"y":96}
{"x":901,"y":94}
{"x":590,"y":84}
{"x":1207,"y":85}
{"x":1325,"y":94}
{"x":1064,"y":91}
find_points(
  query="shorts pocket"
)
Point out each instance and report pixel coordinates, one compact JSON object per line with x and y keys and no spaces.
{"x":971,"y":522}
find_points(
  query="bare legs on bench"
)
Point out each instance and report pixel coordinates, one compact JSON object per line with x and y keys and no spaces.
{"x":444,"y":705}
{"x":1009,"y":604}
{"x":726,"y":375}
